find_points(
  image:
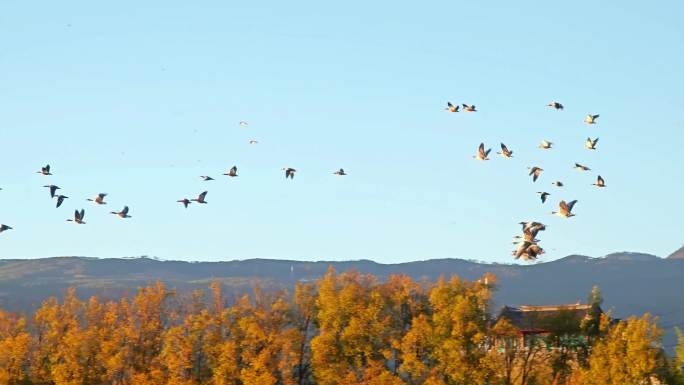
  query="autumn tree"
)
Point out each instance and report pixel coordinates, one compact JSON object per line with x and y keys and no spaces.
{"x":345,"y":329}
{"x":416,"y":351}
{"x":460,"y":319}
{"x":115,"y":337}
{"x":361,"y":325}
{"x":14,"y":349}
{"x":630,"y":353}
{"x":148,"y":318}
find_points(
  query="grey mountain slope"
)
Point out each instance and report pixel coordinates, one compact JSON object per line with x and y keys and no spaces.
{"x":679,"y":254}
{"x":632,"y":283}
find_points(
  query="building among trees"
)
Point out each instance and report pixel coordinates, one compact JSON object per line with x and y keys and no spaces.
{"x":534,"y":322}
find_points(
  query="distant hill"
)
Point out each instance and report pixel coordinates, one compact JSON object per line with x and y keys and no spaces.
{"x":679,"y":254}
{"x":632,"y":283}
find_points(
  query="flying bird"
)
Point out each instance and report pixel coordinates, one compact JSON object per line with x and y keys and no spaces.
{"x":543,"y":195}
{"x":599,"y":182}
{"x":99,"y":199}
{"x":185,"y":202}
{"x":535,"y":172}
{"x":44,"y":170}
{"x":200,"y":198}
{"x":558,"y":183}
{"x":521,"y":249}
{"x":528,"y":251}
{"x":289,"y":172}
{"x":545,"y":144}
{"x":243,"y":123}
{"x":581,"y":167}
{"x":122,"y":214}
{"x":505,"y":152}
{"x":60,"y":200}
{"x":481,"y":153}
{"x":591,"y":144}
{"x":565,"y":209}
{"x":519,"y":238}
{"x":78,"y":217}
{"x":555,"y":105}
{"x":4,"y":228}
{"x":530,"y":230}
{"x":529,"y":225}
{"x":532,"y":252}
{"x":53,"y":189}
{"x":206,"y":178}
{"x":232,"y":172}
{"x":451,"y":108}
{"x":253,"y":141}
{"x":469,"y":108}
{"x":340,"y":172}
{"x":591,"y":119}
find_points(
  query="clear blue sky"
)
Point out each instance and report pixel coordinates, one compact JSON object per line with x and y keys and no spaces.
{"x":138,"y":100}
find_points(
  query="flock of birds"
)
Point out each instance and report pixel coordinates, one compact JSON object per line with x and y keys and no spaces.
{"x":527,"y":244}
{"x":99,"y":199}
{"x":79,"y":215}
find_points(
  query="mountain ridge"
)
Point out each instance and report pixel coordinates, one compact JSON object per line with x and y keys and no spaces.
{"x":632,"y":283}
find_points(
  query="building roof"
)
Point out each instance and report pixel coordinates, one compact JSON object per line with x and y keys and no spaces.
{"x":547,"y":318}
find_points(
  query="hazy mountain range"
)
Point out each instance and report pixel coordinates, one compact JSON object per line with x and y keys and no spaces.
{"x":632,"y":283}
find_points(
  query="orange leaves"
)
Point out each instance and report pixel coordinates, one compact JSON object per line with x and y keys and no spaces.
{"x":14,"y":348}
{"x":347,"y":328}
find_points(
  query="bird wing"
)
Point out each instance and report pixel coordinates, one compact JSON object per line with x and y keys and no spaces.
{"x":449,"y":105}
{"x":594,"y":117}
{"x":233,"y":170}
{"x":202,"y":195}
{"x":487,"y":152}
{"x":82,"y":214}
{"x":600,"y":180}
{"x":571,"y":204}
{"x":481,"y":150}
{"x":563,"y":206}
{"x":504,"y":148}
{"x":47,"y":167}
{"x":125,"y":210}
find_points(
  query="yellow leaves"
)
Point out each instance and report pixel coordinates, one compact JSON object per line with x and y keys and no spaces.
{"x":259,"y":371}
{"x":679,"y":349}
{"x":14,"y":348}
{"x":177,"y":356}
{"x":629,"y":353}
{"x":225,"y":368}
{"x":377,"y":374}
{"x":347,"y":329}
{"x":416,"y":347}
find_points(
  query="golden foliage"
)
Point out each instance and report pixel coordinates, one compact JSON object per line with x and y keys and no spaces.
{"x":346,"y":329}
